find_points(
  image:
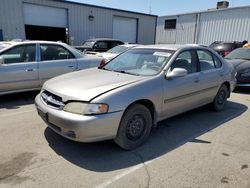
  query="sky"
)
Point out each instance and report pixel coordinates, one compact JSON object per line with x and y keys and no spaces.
{"x":162,"y":7}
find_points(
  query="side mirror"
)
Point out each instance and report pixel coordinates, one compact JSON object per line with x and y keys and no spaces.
{"x":1,"y":60}
{"x":176,"y":72}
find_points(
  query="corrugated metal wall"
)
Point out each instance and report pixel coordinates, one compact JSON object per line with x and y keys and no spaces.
{"x":226,"y":25}
{"x":184,"y":32}
{"x":80,"y":28}
{"x":231,"y":24}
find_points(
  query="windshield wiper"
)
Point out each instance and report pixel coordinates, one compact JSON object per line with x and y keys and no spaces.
{"x":103,"y":68}
{"x":125,"y":72}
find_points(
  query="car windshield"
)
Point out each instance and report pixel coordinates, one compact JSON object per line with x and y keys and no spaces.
{"x":239,"y":53}
{"x":118,"y":49}
{"x":88,"y":43}
{"x":143,"y":62}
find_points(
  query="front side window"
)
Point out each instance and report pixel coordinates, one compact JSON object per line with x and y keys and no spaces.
{"x":206,"y":60}
{"x":54,"y":52}
{"x":143,"y":62}
{"x":185,"y":60}
{"x":20,"y":54}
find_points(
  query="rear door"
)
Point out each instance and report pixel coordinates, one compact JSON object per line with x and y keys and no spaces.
{"x":55,"y":60}
{"x":211,"y":74}
{"x":20,"y":68}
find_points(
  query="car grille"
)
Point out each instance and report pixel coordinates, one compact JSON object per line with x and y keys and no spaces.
{"x":52,"y":100}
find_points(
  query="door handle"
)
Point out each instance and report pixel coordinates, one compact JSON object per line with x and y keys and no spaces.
{"x":29,"y":70}
{"x":71,"y":66}
{"x":196,"y":80}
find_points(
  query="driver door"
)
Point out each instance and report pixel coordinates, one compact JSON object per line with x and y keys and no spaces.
{"x":182,"y":93}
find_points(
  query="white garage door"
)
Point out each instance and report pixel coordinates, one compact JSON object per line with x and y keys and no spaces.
{"x":45,"y":16}
{"x":125,"y":29}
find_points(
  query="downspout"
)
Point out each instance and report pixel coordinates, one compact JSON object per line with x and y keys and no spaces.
{"x":197,"y":28}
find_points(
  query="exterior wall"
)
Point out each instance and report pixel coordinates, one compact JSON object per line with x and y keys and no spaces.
{"x":227,"y":25}
{"x":79,"y":27}
{"x":184,"y":32}
{"x":232,"y":24}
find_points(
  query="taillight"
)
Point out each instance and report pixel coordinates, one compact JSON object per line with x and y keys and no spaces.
{"x":103,"y":62}
{"x":226,"y":53}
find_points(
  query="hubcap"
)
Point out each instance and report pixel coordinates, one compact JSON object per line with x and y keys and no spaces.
{"x":221,"y":97}
{"x":135,"y":127}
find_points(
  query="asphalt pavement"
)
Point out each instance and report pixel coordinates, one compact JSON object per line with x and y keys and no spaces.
{"x":200,"y":148}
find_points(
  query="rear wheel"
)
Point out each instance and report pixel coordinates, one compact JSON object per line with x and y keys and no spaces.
{"x":220,"y":99}
{"x":134,"y":128}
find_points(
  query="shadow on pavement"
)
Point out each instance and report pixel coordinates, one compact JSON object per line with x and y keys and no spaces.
{"x":14,"y":101}
{"x":242,"y":90}
{"x":170,"y":134}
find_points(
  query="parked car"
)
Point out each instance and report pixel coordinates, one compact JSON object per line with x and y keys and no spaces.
{"x":224,"y":48}
{"x":98,"y":45}
{"x":27,"y":65}
{"x":113,"y":52}
{"x":133,"y":92}
{"x":240,"y":58}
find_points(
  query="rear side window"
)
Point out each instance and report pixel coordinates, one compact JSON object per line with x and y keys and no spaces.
{"x":54,"y":52}
{"x":206,"y":60}
{"x":20,"y":54}
{"x":217,"y":62}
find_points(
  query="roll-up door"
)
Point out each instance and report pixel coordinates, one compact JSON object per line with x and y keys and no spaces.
{"x":45,"y":16}
{"x":125,"y":29}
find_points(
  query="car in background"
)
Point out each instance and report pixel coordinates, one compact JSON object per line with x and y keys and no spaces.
{"x":113,"y":52}
{"x":224,"y":48}
{"x":240,"y":58}
{"x":98,"y":45}
{"x":133,"y":92}
{"x":27,"y":65}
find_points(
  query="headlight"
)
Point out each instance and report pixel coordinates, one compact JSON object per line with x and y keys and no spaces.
{"x":85,"y":108}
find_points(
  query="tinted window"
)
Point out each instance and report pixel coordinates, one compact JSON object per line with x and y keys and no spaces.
{"x":101,"y":45}
{"x":114,"y":43}
{"x":206,"y":60}
{"x":240,"y":53}
{"x":185,"y":60}
{"x":18,"y":54}
{"x":54,"y":52}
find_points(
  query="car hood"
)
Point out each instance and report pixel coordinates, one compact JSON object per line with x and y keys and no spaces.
{"x":87,"y":84}
{"x":239,"y":63}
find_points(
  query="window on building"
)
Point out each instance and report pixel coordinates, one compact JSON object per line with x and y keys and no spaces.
{"x":170,"y":24}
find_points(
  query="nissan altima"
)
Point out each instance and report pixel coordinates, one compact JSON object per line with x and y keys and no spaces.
{"x":124,"y":99}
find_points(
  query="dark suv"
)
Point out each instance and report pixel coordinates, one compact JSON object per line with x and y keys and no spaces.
{"x":224,"y":48}
{"x":98,"y":45}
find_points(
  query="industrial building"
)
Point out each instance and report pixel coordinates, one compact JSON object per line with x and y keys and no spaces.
{"x":205,"y":27}
{"x":72,"y":22}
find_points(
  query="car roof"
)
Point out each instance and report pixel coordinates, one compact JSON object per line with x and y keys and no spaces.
{"x":171,"y":46}
{"x":106,"y":39}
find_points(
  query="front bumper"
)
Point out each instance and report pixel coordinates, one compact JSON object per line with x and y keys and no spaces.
{"x":79,"y":128}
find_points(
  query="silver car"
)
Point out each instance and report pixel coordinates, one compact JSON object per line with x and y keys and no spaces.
{"x":27,"y":65}
{"x":133,"y":92}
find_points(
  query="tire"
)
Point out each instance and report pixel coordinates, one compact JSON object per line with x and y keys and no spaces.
{"x":134,"y":128}
{"x":220,"y":99}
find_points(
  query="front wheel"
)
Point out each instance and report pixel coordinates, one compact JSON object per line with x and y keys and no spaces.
{"x":135,"y":127}
{"x":220,"y":99}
